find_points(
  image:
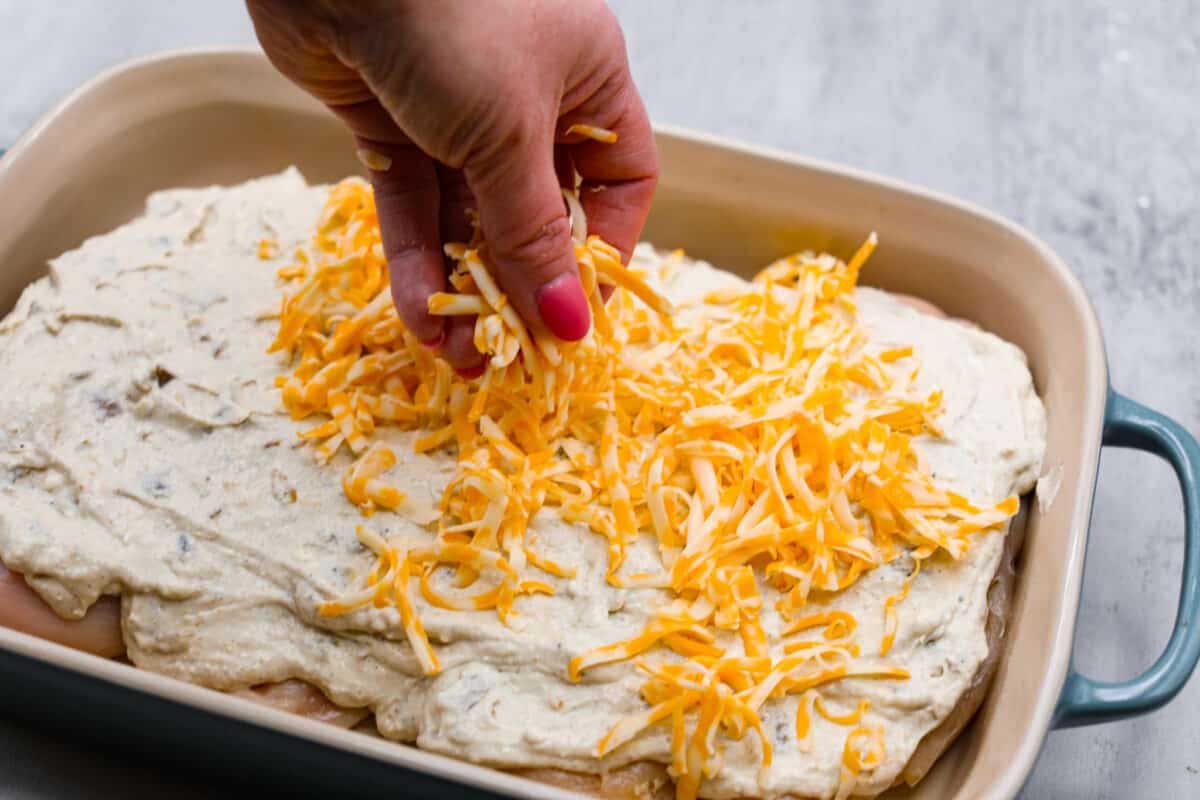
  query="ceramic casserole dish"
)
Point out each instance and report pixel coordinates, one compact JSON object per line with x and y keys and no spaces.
{"x":223,"y":116}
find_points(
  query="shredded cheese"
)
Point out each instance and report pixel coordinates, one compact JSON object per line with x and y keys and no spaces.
{"x":603,"y":135}
{"x":758,"y":439}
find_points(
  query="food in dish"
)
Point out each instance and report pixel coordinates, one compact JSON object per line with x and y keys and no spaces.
{"x":662,"y":546}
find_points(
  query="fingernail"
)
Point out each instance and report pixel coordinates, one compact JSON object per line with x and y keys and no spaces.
{"x":471,"y":373}
{"x":435,"y":342}
{"x":564,"y":307}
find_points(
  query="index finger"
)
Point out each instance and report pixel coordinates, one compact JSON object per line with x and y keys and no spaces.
{"x":618,"y":178}
{"x":407,"y":199}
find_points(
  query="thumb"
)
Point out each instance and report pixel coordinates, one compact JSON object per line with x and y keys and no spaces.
{"x":525,"y":224}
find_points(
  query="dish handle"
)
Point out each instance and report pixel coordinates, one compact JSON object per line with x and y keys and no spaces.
{"x":1086,"y":701}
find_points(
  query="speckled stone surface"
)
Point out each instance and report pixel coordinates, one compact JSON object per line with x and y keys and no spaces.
{"x":1080,"y":120}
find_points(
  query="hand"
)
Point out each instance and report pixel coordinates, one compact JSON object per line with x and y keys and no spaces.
{"x":465,"y":104}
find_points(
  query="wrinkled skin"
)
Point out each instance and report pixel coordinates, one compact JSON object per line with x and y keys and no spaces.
{"x":99,"y":633}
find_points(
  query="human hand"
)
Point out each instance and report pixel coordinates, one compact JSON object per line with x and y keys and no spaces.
{"x":464,"y":104}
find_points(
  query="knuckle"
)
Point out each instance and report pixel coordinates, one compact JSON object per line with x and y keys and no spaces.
{"x":403,"y":253}
{"x":481,"y":129}
{"x":488,"y":158}
{"x":539,"y":252}
{"x":403,"y":188}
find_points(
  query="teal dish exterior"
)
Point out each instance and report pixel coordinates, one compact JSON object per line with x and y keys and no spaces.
{"x":1086,"y":701}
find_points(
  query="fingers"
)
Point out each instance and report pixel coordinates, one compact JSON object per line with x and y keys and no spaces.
{"x":407,"y":190}
{"x":457,"y":205}
{"x":291,"y":35}
{"x":404,"y":180}
{"x":420,"y":205}
{"x":407,"y":198}
{"x":459,"y":346}
{"x":525,"y":223}
{"x":619,"y":178}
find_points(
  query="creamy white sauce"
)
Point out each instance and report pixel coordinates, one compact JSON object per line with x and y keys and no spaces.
{"x":143,"y":453}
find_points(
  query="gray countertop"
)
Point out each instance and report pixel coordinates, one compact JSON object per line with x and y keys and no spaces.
{"x":1079,"y":120}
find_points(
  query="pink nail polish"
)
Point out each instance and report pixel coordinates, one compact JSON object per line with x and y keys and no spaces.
{"x":564,"y":308}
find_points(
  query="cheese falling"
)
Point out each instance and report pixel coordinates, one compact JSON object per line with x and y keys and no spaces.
{"x":757,"y":442}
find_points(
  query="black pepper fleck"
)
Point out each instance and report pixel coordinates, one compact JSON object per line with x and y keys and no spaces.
{"x":156,"y":487}
{"x":106,"y":407}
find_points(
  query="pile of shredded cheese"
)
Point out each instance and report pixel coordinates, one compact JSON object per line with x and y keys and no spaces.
{"x":758,"y":441}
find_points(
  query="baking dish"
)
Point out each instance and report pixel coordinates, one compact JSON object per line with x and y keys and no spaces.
{"x":222,"y":116}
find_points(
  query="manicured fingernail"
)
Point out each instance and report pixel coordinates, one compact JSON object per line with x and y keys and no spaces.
{"x":471,"y":373}
{"x":435,"y":342}
{"x":564,"y":308}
